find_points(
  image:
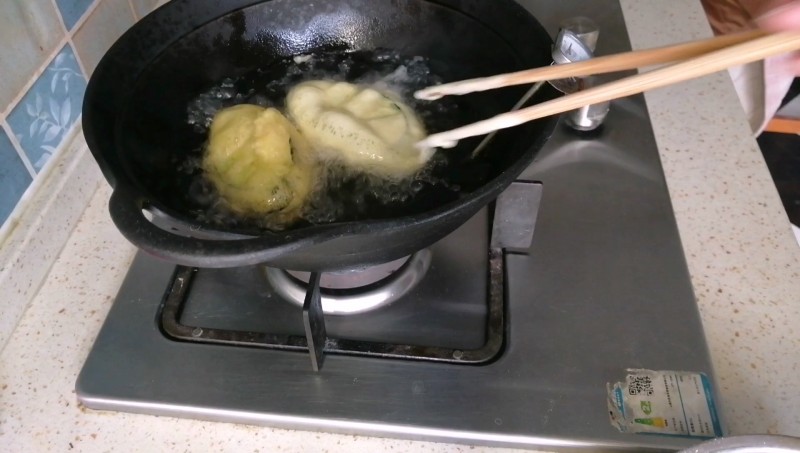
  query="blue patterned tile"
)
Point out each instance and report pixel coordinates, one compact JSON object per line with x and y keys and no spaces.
{"x":14,"y":177}
{"x":49,"y":108}
{"x":72,"y":10}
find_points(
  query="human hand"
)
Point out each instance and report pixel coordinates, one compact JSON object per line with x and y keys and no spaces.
{"x":783,"y":15}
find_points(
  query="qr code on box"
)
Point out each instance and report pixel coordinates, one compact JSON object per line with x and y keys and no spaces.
{"x":640,"y":385}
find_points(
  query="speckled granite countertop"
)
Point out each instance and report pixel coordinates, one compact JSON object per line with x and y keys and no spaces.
{"x":742,"y":256}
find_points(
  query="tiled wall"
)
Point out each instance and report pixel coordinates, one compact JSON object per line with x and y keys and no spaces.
{"x":48,"y":50}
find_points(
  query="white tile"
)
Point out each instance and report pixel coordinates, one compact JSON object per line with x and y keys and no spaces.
{"x":143,"y":7}
{"x":109,"y":20}
{"x":29,"y":33}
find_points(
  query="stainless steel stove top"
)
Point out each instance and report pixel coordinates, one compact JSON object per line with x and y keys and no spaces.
{"x":603,"y":287}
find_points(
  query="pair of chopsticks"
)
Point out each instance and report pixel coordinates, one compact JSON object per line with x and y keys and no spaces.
{"x":689,"y":60}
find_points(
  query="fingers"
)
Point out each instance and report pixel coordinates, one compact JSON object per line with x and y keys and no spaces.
{"x":783,"y":15}
{"x":781,"y":18}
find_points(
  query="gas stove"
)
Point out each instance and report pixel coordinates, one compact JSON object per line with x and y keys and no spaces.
{"x":505,"y":333}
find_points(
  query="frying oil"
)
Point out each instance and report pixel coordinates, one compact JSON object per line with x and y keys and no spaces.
{"x":341,"y":193}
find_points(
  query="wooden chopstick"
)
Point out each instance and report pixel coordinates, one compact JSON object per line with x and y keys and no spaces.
{"x":599,"y":65}
{"x":747,"y":52}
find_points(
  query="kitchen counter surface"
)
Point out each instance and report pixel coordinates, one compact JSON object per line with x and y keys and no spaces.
{"x":742,"y":256}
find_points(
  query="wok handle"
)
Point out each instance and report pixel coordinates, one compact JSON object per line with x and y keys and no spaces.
{"x":126,"y":211}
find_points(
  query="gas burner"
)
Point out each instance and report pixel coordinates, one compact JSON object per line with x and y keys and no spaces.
{"x":357,"y":290}
{"x":429,"y":322}
{"x":178,"y":323}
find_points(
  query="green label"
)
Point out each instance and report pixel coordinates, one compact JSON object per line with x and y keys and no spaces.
{"x":675,"y":403}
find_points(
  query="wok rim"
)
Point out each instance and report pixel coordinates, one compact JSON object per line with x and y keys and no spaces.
{"x":121,"y":180}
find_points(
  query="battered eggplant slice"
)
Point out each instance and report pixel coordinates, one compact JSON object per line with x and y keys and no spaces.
{"x":259,"y":163}
{"x":367,"y":130}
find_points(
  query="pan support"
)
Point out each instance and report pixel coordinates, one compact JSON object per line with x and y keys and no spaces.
{"x":315,"y":340}
{"x":516,"y":211}
{"x":512,"y":231}
{"x":314,"y":322}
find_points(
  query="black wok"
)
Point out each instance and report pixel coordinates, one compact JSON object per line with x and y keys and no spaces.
{"x":135,"y":119}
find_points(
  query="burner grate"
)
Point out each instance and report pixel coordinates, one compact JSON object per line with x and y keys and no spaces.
{"x":178,"y":291}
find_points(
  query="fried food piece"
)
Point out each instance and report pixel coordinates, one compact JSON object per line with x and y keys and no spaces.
{"x":259,"y":162}
{"x":366,"y":129}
